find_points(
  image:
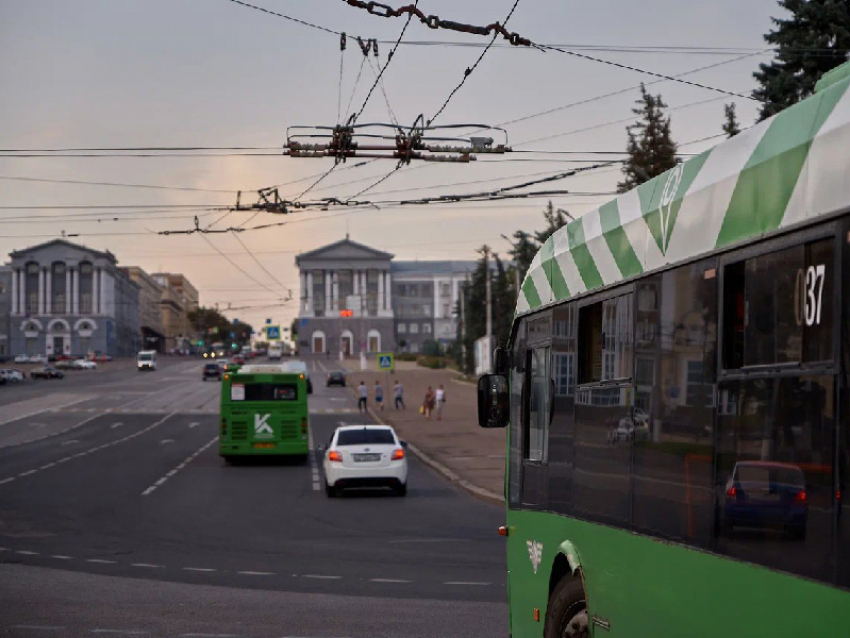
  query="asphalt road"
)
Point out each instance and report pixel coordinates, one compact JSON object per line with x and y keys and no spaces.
{"x":117,"y":515}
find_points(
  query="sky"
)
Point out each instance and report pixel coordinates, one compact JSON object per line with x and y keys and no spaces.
{"x":213,"y":73}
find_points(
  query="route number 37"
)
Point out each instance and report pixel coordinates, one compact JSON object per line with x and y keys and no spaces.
{"x":815,"y":276}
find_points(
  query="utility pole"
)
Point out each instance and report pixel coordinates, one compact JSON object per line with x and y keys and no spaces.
{"x":489,"y":331}
{"x":463,"y":326}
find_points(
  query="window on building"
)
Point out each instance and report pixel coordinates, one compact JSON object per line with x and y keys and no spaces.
{"x":426,"y":328}
{"x":402,"y":328}
{"x":445,"y":290}
{"x":414,"y":347}
{"x":32,"y":288}
{"x":86,"y":285}
{"x":414,"y":328}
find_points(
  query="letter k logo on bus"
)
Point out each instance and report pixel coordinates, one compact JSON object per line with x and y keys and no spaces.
{"x":261,"y":425}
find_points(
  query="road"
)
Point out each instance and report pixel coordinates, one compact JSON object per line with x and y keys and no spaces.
{"x":117,"y":515}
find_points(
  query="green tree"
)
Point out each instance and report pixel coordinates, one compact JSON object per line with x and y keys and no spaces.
{"x":813,"y":40}
{"x":524,"y":245}
{"x":650,"y":145}
{"x":730,"y":126}
{"x":555,"y":220}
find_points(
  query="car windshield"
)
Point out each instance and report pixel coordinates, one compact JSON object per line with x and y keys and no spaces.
{"x":365,"y":436}
{"x":336,"y":375}
{"x":145,"y":357}
{"x":211,"y":366}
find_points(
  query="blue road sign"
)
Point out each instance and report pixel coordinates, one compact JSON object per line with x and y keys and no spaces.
{"x":273,"y":332}
{"x":386,"y":362}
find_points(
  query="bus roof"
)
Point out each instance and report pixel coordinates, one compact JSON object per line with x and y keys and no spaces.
{"x":787,"y":170}
{"x":263,"y":368}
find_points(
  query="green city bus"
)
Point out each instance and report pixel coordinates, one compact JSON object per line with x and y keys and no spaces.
{"x":676,"y":390}
{"x":264,"y":413}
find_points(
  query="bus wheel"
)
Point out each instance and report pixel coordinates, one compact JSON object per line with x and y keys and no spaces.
{"x":566,"y":616}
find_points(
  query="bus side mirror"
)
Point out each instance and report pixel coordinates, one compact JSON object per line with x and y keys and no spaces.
{"x":493,"y":401}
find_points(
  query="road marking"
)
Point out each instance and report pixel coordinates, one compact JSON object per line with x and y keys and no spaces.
{"x":313,"y":465}
{"x":118,"y":424}
{"x":193,"y":424}
{"x":199,"y":569}
{"x":47,"y":466}
{"x":256,"y":573}
{"x":38,"y":425}
{"x":321,"y":577}
{"x":122,"y":632}
{"x":209,"y":636}
{"x":38,"y":627}
{"x":99,"y":447}
{"x":165,"y":441}
{"x":147,"y":565}
{"x":8,"y":480}
{"x":71,"y":442}
{"x":26,"y":552}
{"x":174,"y":471}
{"x":389,"y":580}
{"x":58,"y":407}
{"x":101,"y":561}
{"x":61,"y":557}
{"x":467,"y":583}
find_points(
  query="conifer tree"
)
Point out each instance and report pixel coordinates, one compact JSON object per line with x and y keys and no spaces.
{"x":650,"y":147}
{"x":813,"y":40}
{"x":731,"y":126}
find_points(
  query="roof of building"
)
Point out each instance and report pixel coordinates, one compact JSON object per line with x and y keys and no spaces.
{"x":106,"y":255}
{"x":784,"y":171}
{"x":369,"y":253}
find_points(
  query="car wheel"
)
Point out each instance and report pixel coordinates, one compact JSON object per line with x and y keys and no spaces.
{"x":330,"y":491}
{"x":401,"y":489}
{"x":566,"y":616}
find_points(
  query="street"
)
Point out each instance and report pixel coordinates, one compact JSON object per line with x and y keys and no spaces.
{"x":117,"y":516}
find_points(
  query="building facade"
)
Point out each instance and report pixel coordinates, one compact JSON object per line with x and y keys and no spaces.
{"x":151,"y":331}
{"x":425,"y":296}
{"x":357,"y":299}
{"x":5,"y":307}
{"x":346,"y":300}
{"x":70,"y":299}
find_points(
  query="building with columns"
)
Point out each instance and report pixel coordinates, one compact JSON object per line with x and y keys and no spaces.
{"x":346,"y":300}
{"x":70,"y":299}
{"x":357,"y":299}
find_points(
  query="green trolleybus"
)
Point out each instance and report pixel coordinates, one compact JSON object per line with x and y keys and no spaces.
{"x":263,"y":412}
{"x":677,"y":389}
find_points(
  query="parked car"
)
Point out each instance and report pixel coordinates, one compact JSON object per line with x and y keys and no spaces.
{"x":64,"y":364}
{"x":212,"y":371}
{"x":12,"y":375}
{"x":99,"y":357}
{"x":38,"y":358}
{"x":47,"y":372}
{"x":365,"y":456}
{"x":83,"y":364}
{"x":22,"y":358}
{"x":336,"y":377}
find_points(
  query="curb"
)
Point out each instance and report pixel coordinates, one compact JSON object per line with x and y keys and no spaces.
{"x":445,"y":472}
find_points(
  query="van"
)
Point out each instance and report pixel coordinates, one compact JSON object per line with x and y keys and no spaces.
{"x":146,"y":360}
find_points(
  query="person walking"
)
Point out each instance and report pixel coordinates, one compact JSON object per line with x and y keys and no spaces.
{"x":379,"y":394}
{"x":363,"y":391}
{"x":440,"y":399}
{"x":428,"y":403}
{"x":398,"y":393}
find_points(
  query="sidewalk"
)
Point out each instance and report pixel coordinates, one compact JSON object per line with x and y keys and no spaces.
{"x":456,"y":446}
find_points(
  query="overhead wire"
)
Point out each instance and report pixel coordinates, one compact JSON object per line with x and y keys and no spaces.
{"x":260,"y":264}
{"x":234,"y":264}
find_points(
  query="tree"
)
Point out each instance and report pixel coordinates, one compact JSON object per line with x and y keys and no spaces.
{"x":555,"y":220}
{"x":650,"y":147}
{"x":815,"y":39}
{"x":214,"y":326}
{"x":524,"y":245}
{"x":730,"y":126}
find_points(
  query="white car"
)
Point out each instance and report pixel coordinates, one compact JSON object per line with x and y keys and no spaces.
{"x":38,"y":358}
{"x":83,"y":364}
{"x":365,"y":456}
{"x":11,"y":375}
{"x":22,"y":358}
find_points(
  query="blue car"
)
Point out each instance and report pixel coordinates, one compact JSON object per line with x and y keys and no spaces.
{"x":763,"y":495}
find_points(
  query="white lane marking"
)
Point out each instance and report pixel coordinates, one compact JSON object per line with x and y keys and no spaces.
{"x":313,"y":466}
{"x":38,"y":627}
{"x":4,"y":549}
{"x":8,"y":480}
{"x":47,"y":466}
{"x":122,"y":632}
{"x":61,"y":557}
{"x":100,"y":561}
{"x":183,"y":464}
{"x":209,"y":636}
{"x":147,"y":565}
{"x":71,"y":442}
{"x":467,"y":583}
{"x":99,"y":447}
{"x":58,"y":407}
{"x":193,"y":424}
{"x":389,"y":580}
{"x":256,"y":573}
{"x":26,"y":552}
{"x":198,"y":569}
{"x":38,"y":425}
{"x":117,"y":424}
{"x":321,"y":577}
{"x":165,"y":441}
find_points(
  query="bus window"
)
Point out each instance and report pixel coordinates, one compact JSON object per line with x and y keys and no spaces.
{"x":269,"y":392}
{"x":606,"y":345}
{"x":517,"y":384}
{"x":536,"y":433}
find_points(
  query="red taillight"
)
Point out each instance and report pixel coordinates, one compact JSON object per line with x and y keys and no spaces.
{"x":223,"y":427}
{"x":503,"y":530}
{"x":800,"y":497}
{"x":335,"y":456}
{"x":397,"y":454}
{"x":303,"y":425}
{"x":731,"y":492}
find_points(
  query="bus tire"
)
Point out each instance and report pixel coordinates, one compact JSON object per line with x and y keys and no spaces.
{"x":566,"y":615}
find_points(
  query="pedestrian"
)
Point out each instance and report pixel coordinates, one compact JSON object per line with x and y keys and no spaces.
{"x":363,"y":391}
{"x":440,"y":398}
{"x":428,"y":403}
{"x":398,"y":393}
{"x":379,"y":394}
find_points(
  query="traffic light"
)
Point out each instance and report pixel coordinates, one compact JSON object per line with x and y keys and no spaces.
{"x":200,"y":343}
{"x":233,"y":346}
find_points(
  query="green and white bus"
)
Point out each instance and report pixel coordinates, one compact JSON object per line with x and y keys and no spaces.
{"x":677,"y":390}
{"x":264,"y":413}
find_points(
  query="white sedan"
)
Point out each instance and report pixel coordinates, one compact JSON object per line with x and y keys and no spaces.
{"x":365,"y":456}
{"x":83,"y":364}
{"x":12,"y":375}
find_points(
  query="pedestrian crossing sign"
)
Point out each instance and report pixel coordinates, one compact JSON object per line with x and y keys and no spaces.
{"x":386,"y":362}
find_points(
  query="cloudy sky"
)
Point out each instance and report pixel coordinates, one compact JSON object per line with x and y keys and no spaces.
{"x":212,"y":73}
